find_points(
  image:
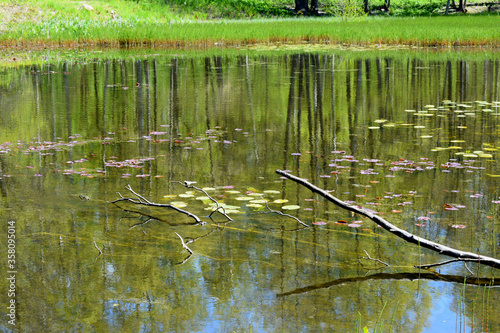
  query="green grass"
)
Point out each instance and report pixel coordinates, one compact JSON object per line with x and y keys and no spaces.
{"x":152,"y":23}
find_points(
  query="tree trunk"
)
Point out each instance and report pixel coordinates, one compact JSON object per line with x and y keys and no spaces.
{"x":314,"y":7}
{"x":301,"y":7}
{"x":387,"y":5}
{"x":366,"y":7}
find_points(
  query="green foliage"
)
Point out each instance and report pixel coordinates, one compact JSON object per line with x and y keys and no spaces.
{"x":349,"y":10}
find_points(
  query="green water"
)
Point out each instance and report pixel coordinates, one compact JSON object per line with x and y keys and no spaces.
{"x":400,"y":135}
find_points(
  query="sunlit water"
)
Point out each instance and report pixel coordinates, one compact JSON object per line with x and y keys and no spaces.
{"x":403,"y":136}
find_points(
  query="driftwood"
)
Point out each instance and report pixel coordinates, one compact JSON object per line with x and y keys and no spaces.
{"x":411,"y":238}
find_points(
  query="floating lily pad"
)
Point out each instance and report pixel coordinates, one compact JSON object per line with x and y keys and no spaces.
{"x":244,"y":198}
{"x":279,"y":201}
{"x":254,"y":205}
{"x":232,"y":192}
{"x":272,"y":192}
{"x":259,"y":201}
{"x":208,"y":189}
{"x":186,"y":195}
{"x":178,"y":204}
{"x":253,"y":194}
{"x":290,"y":207}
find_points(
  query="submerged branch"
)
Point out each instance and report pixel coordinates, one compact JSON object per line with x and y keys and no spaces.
{"x":411,"y":238}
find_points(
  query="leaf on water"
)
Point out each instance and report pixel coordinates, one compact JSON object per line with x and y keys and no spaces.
{"x":319,"y":223}
{"x":232,"y":192}
{"x":458,"y":226}
{"x":178,"y":204}
{"x":170,"y":196}
{"x":259,"y":201}
{"x":186,"y":195}
{"x":279,"y":201}
{"x":271,"y":192}
{"x":254,"y":205}
{"x":373,"y":127}
{"x":208,"y":189}
{"x":253,"y":194}
{"x":354,"y":225}
{"x":244,"y":198}
{"x":290,"y":207}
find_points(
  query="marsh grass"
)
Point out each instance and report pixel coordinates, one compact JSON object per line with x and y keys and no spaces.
{"x":423,"y":31}
{"x":153,"y":23}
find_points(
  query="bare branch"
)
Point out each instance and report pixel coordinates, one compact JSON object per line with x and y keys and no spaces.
{"x":128,"y":187}
{"x":218,"y":209}
{"x":287,"y":215}
{"x":141,"y":223}
{"x":374,"y":259}
{"x":98,"y":249}
{"x":448,"y":262}
{"x":184,"y":244}
{"x":145,"y":202}
{"x":409,"y":237}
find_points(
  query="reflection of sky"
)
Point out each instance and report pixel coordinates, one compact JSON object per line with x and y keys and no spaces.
{"x":442,"y":317}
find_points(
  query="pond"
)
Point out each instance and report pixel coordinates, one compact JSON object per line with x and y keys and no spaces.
{"x":412,"y":136}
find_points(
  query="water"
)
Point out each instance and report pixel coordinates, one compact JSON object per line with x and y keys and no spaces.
{"x":400,"y":134}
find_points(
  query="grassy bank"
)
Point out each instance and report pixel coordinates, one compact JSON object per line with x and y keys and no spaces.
{"x":126,"y":23}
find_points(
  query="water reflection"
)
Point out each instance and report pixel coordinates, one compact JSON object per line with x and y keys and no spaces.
{"x":381,"y":131}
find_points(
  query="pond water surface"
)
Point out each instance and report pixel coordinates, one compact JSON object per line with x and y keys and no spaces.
{"x":413,"y":137}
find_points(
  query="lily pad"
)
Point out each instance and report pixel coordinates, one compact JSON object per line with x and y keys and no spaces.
{"x":244,"y":198}
{"x":279,"y":201}
{"x":272,"y":192}
{"x":290,"y":207}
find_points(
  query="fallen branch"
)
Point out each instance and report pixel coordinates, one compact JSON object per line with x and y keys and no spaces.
{"x":217,"y":209}
{"x":98,"y":249}
{"x":143,"y":201}
{"x":373,"y":259}
{"x":447,"y":262}
{"x":184,"y":244}
{"x":411,"y":238}
{"x":287,"y":215}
